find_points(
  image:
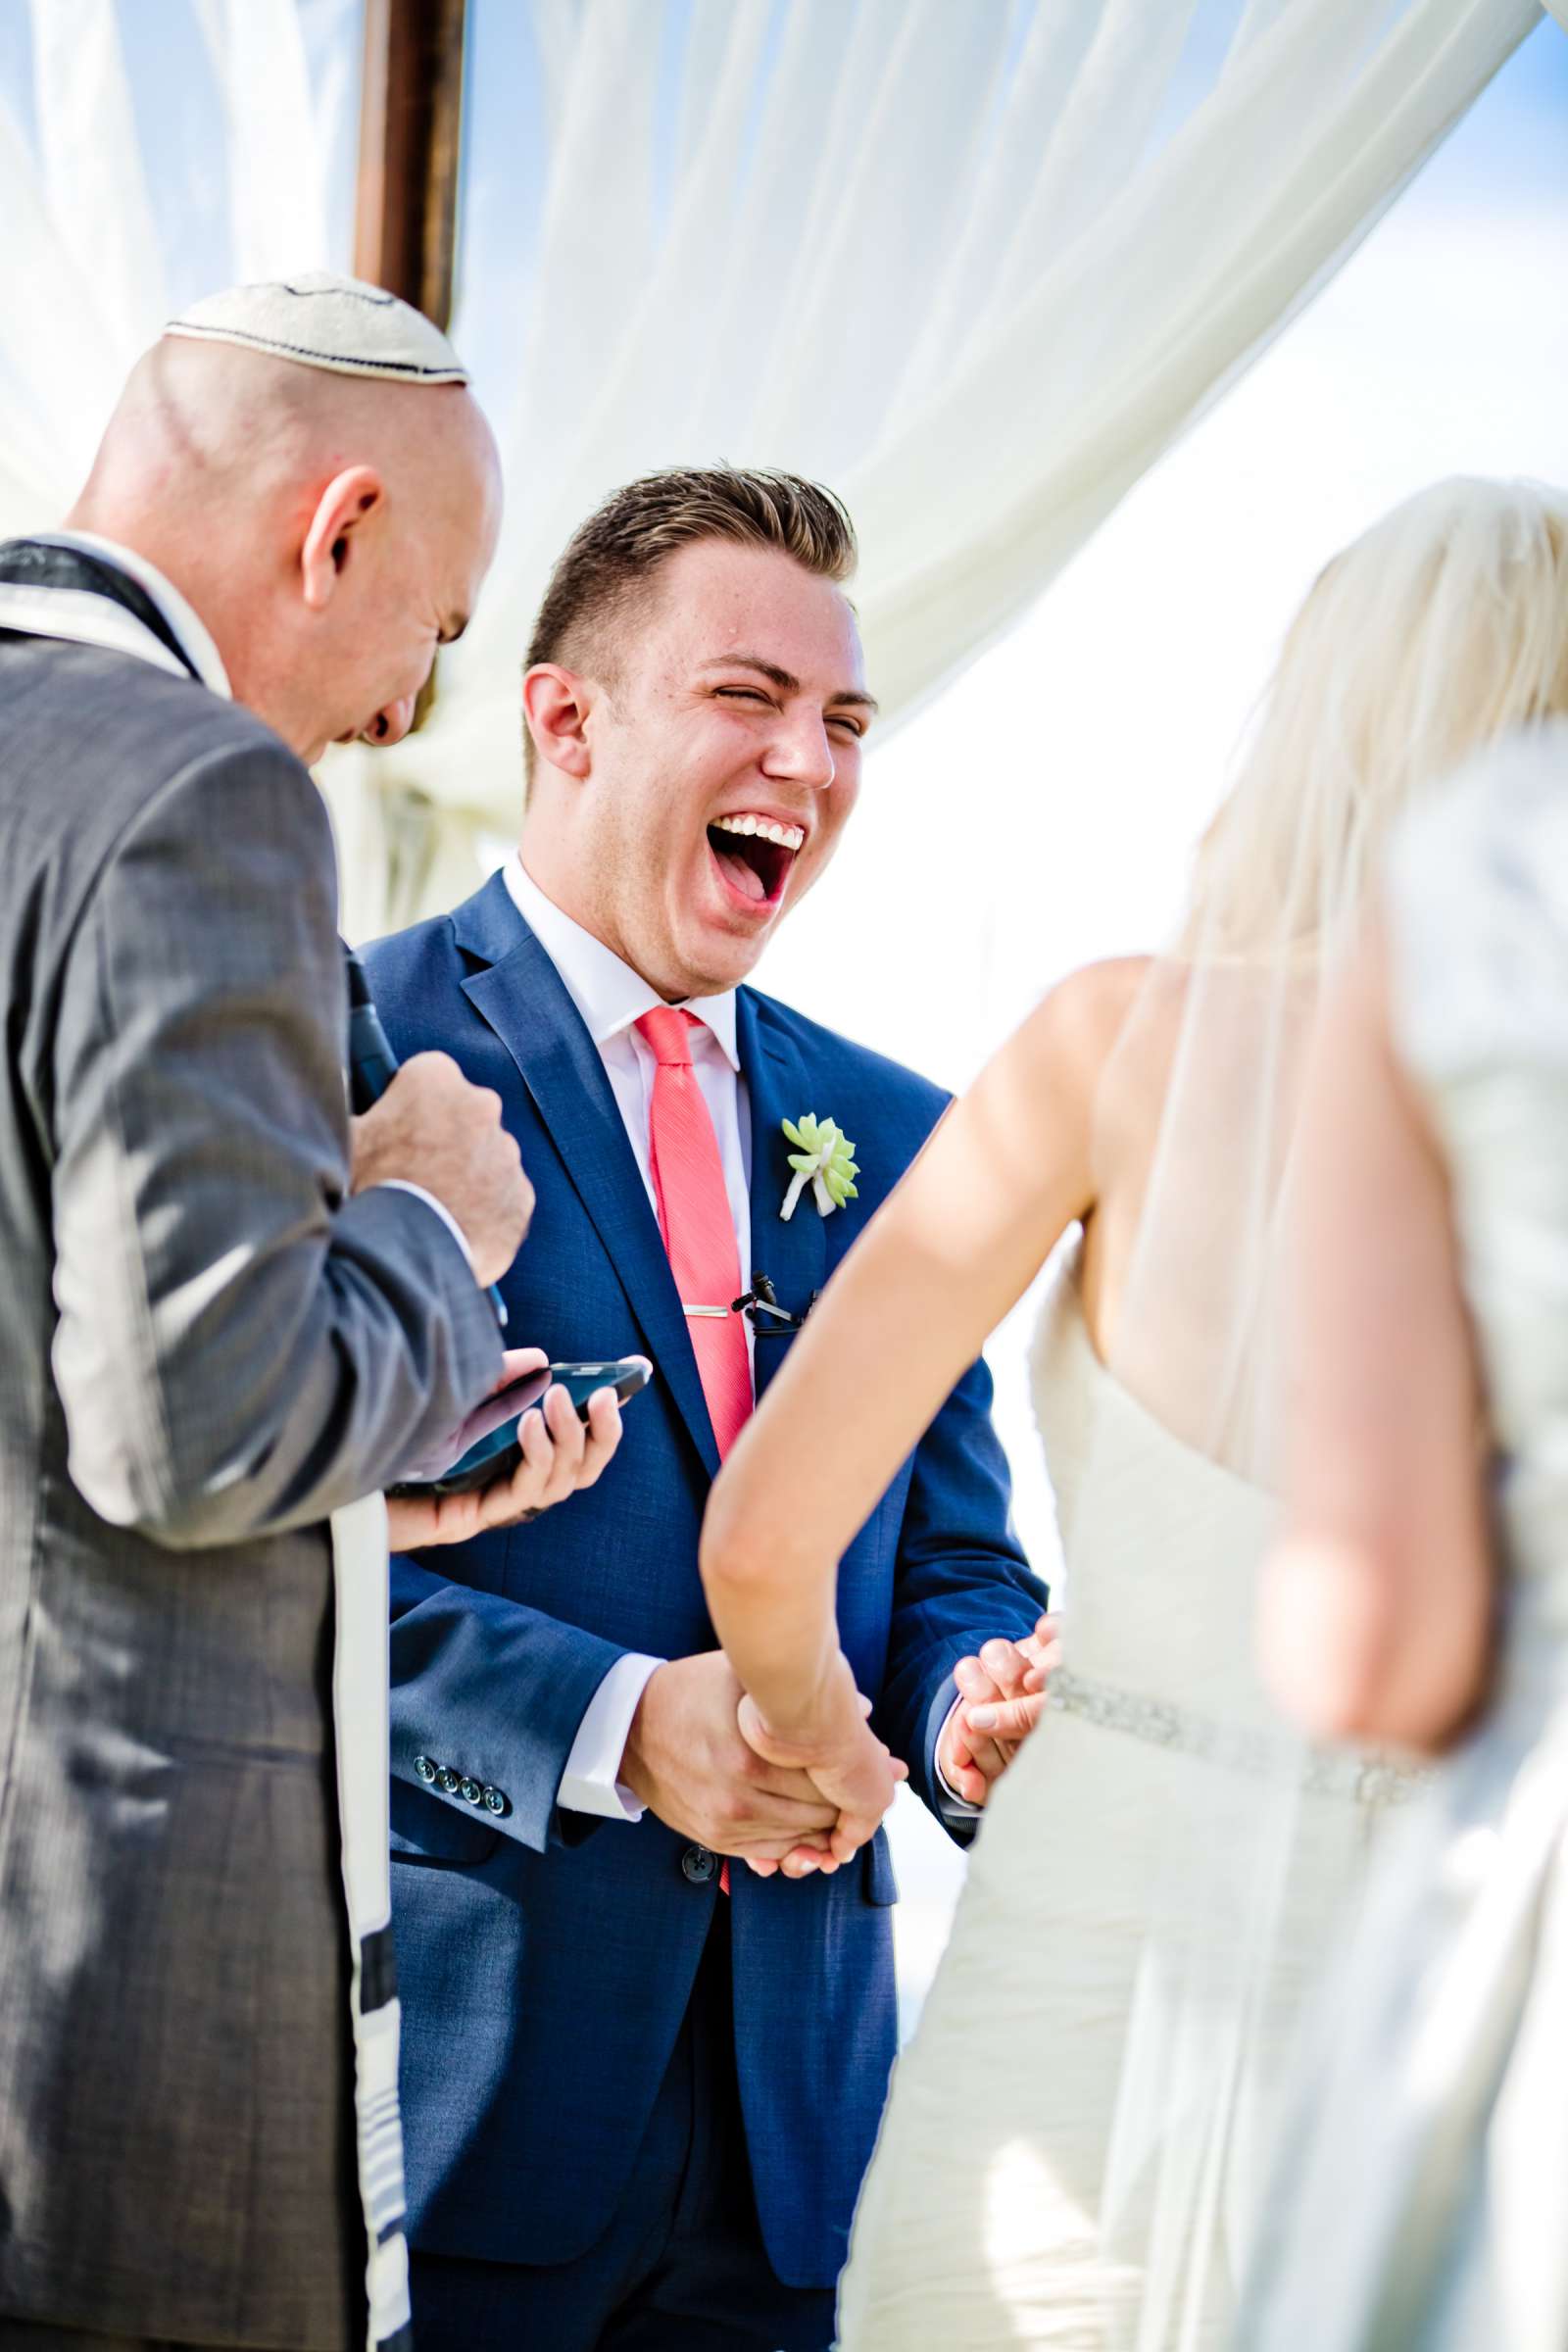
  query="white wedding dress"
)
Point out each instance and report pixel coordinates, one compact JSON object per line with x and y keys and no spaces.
{"x":1420,"y":2202}
{"x":1071,"y":2151}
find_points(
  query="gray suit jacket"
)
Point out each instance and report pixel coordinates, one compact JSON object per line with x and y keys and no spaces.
{"x":207,"y":1347}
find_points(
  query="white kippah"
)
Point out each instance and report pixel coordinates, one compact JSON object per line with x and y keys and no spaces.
{"x":326,"y":322}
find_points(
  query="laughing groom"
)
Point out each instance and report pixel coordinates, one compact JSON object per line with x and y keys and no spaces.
{"x":641,"y":2086}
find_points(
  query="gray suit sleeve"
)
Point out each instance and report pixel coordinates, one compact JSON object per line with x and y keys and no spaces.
{"x":241,"y":1346}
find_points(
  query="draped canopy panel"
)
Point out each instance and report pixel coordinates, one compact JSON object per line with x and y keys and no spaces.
{"x":977,"y":267}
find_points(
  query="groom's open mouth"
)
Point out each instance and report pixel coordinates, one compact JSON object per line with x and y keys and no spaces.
{"x":753,"y":853}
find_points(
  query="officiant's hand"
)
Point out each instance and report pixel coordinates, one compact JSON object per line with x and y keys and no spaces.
{"x":433,"y":1129}
{"x":561,"y":1457}
{"x":686,"y":1760}
{"x":1001,"y":1692}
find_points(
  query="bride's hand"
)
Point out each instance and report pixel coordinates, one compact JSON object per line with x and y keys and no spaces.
{"x":846,"y":1761}
{"x":1000,"y":1695}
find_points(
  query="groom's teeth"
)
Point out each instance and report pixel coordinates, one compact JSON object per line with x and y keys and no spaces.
{"x":786,"y":837}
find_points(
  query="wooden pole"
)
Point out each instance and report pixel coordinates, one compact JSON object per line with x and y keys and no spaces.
{"x":411,"y":131}
{"x":411,"y":120}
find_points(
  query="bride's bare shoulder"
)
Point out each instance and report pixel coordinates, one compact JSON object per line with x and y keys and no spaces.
{"x":1101,"y":995}
{"x":1078,"y":1023}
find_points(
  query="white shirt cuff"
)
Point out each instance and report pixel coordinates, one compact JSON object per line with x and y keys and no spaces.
{"x":956,"y":1803}
{"x":589,"y":1783}
{"x":398,"y":1184}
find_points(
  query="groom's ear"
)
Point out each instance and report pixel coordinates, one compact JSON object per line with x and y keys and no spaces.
{"x":556,"y":703}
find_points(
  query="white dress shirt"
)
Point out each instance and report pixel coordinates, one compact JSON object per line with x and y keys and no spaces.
{"x":611,"y":998}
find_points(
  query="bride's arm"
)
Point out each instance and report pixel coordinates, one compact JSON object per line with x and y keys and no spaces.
{"x":1376,"y":1603}
{"x":952,"y":1249}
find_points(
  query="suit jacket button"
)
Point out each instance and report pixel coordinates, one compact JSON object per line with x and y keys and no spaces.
{"x":698,"y":1865}
{"x":447,"y":1780}
{"x":424,"y":1770}
{"x":470,"y":1793}
{"x":494,"y":1800}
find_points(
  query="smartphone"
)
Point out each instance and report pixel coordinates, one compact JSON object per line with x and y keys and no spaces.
{"x":497,"y":1453}
{"x":625,"y":1374}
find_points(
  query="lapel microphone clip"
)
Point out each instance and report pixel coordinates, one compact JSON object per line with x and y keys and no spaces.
{"x":762,"y":1310}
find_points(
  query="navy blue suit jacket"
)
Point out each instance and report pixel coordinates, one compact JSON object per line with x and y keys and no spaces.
{"x":546,"y":1958}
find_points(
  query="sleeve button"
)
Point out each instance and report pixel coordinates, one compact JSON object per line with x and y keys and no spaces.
{"x":494,"y":1799}
{"x":447,"y":1781}
{"x":470,"y":1793}
{"x":424,"y":1770}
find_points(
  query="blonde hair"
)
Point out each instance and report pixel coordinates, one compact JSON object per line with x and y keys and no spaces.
{"x":1443,"y":627}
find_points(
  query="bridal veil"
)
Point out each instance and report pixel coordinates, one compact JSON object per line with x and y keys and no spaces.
{"x":1439,"y":629}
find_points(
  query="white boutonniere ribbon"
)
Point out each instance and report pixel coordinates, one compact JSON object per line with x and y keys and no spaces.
{"x":822,"y":1158}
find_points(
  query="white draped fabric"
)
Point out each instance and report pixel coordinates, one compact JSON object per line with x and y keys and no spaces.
{"x":977,"y":266}
{"x":148,"y":156}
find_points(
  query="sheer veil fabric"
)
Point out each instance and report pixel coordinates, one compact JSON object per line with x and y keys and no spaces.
{"x":1076,"y":2138}
{"x":1439,"y":629}
{"x":1417,"y":2197}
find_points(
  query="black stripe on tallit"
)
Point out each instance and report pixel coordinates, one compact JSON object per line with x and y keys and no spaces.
{"x":379,"y":1970}
{"x":33,"y":563}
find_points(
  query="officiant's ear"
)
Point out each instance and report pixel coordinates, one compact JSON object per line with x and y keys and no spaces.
{"x":556,"y":703}
{"x":342,"y":511}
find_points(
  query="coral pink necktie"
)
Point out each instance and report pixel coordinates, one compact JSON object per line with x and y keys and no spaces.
{"x":694,"y":1217}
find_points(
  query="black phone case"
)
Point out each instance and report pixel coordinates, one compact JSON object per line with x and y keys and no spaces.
{"x":495,"y":1456}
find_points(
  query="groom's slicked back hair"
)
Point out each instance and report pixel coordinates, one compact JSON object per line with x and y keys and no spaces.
{"x":605,"y":578}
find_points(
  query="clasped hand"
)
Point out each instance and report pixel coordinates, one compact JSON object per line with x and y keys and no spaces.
{"x":691,"y":1760}
{"x":1001,"y":1693}
{"x":845,"y":1762}
{"x":700,"y":1757}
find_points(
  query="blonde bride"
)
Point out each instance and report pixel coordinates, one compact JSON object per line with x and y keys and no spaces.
{"x":1073,"y":2147}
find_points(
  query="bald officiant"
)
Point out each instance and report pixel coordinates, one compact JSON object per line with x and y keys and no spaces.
{"x":229,"y":1317}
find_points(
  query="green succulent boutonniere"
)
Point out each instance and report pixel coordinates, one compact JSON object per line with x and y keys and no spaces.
{"x":823,"y":1159}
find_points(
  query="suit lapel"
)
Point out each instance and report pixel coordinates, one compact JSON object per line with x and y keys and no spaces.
{"x":794,"y":1256}
{"x":519,"y":990}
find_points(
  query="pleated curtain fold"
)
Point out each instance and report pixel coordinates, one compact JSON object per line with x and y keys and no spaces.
{"x":977,"y":266}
